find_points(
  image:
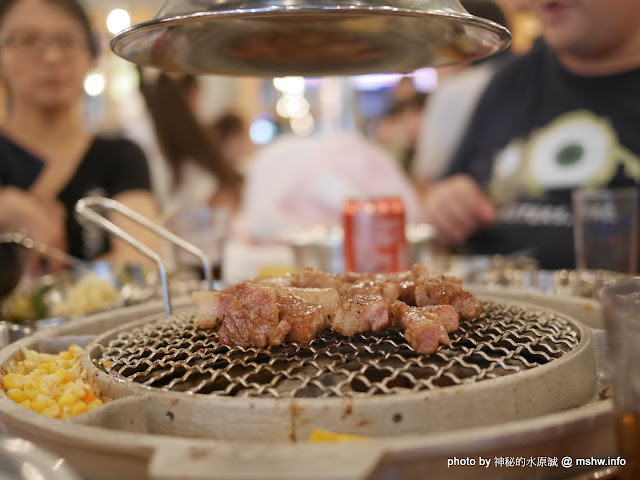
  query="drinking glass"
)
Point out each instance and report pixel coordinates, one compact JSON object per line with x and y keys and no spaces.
{"x":606,"y":229}
{"x":620,"y":300}
{"x":206,"y":228}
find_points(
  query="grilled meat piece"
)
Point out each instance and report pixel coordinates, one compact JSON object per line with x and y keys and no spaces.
{"x":305,"y":319}
{"x":260,"y":315}
{"x":309,"y":278}
{"x":408,"y":292}
{"x":212,"y":306}
{"x":277,"y":282}
{"x":296,"y":307}
{"x":388,"y":290}
{"x":253,"y":320}
{"x":425,"y":328}
{"x":407,"y":282}
{"x":447,"y":315}
{"x":361,"y":313}
{"x":327,"y":298}
{"x":447,"y":291}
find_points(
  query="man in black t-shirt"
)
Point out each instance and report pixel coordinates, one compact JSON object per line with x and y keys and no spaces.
{"x":564,"y":116}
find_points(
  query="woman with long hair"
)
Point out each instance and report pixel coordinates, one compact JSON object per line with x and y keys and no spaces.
{"x":198,"y":171}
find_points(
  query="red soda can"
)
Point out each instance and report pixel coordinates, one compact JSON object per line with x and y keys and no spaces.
{"x":374,"y":235}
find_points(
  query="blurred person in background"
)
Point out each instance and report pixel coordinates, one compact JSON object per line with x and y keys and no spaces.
{"x":191,"y":167}
{"x":195,"y":181}
{"x":562,"y":117}
{"x":523,"y":23}
{"x":48,"y":159}
{"x":230,"y":131}
{"x":398,"y":129}
{"x":305,"y":181}
{"x":446,"y":116}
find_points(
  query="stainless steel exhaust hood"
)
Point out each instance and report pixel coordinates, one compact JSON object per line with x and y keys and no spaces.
{"x":309,"y":37}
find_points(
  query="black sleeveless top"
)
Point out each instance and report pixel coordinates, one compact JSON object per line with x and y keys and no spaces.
{"x":110,"y":166}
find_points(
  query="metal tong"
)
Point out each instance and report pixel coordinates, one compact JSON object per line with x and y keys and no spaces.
{"x":13,"y":265}
{"x":86,"y":207}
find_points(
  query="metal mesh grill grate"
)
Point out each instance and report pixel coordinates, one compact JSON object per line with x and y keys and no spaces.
{"x":173,"y":355}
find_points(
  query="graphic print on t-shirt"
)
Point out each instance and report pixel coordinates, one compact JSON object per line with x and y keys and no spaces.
{"x":577,"y":149}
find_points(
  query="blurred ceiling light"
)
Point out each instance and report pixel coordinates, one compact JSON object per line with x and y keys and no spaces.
{"x":375,"y":81}
{"x":262,"y":131}
{"x":281,"y":107}
{"x":300,"y":108}
{"x":302,"y":126}
{"x":94,"y":84}
{"x":425,"y":80}
{"x":118,"y":20}
{"x":289,"y":106}
{"x":289,"y":85}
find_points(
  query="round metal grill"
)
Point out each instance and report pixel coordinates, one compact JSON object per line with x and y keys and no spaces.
{"x":172,"y":354}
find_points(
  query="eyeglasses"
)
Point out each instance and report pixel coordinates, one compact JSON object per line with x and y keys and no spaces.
{"x":36,"y":44}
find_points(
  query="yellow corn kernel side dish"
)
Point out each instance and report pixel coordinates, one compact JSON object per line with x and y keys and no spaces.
{"x":319,"y":435}
{"x":52,"y":385}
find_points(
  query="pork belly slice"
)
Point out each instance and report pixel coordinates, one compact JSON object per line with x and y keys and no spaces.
{"x":212,"y":305}
{"x":327,"y":298}
{"x":447,"y":291}
{"x":361,"y":313}
{"x":252,"y":319}
{"x":417,"y":273}
{"x":407,"y":282}
{"x":387,"y":290}
{"x":310,"y":278}
{"x":305,"y":319}
{"x":407,"y":292}
{"x":447,"y":314}
{"x":425,"y":328}
{"x":277,"y":282}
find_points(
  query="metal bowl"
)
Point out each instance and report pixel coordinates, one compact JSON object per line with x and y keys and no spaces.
{"x":521,"y":272}
{"x":309,"y":37}
{"x":135,"y":285}
{"x":22,"y":460}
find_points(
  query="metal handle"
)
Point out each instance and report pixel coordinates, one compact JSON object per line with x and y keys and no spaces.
{"x":86,"y":208}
